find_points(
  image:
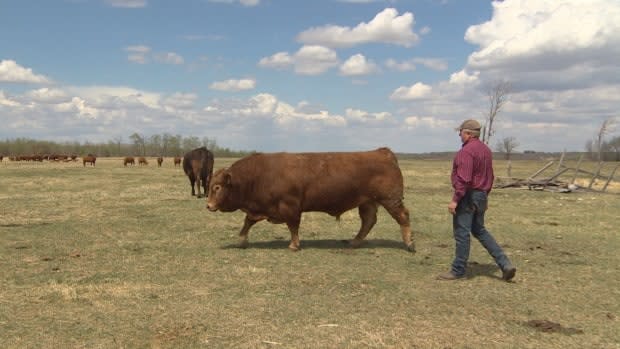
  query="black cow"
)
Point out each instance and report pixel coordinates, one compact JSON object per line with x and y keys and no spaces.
{"x":198,"y":166}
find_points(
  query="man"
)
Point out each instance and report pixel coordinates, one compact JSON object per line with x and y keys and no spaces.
{"x":472,"y":179}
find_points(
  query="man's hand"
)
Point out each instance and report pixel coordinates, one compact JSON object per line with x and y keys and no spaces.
{"x":452,"y":207}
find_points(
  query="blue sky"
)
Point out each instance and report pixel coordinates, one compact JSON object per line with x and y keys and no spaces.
{"x":324,"y":75}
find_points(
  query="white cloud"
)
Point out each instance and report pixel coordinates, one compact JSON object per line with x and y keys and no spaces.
{"x":415,"y":122}
{"x":280,"y":60}
{"x":314,"y":60}
{"x":47,"y":95}
{"x":358,"y":65}
{"x":359,"y":1}
{"x":141,"y":54}
{"x":308,"y":60}
{"x":364,"y":117}
{"x":138,"y":53}
{"x":169,"y":58}
{"x":78,"y":107}
{"x":6,"y":101}
{"x":463,"y":77}
{"x":387,"y":27}
{"x":10,"y":71}
{"x":234,"y":85}
{"x":410,"y":65}
{"x":127,"y":3}
{"x":248,"y":3}
{"x":180,"y":100}
{"x":432,"y":63}
{"x":400,"y":66}
{"x":115,"y":97}
{"x":549,"y":40}
{"x":416,"y":91}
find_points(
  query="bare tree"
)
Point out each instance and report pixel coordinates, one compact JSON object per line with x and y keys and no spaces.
{"x":614,"y":146}
{"x":498,"y":96}
{"x":507,"y":146}
{"x":606,"y":127}
{"x":118,"y":141}
{"x":139,"y":143}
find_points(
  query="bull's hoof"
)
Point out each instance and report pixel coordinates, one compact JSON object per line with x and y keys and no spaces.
{"x":353,"y":243}
{"x":244,"y":244}
{"x":294,"y":248}
{"x":411,"y":248}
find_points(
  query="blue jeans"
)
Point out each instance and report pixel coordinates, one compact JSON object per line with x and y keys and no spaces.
{"x":469,"y":217}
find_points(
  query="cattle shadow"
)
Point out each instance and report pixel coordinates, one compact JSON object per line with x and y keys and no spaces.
{"x":17,"y":225}
{"x":475,"y":269}
{"x":321,"y":244}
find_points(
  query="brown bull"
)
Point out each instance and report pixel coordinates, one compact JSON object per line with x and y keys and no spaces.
{"x":142,"y":161}
{"x":198,"y":166}
{"x":129,"y":160}
{"x":279,"y":187}
{"x":177,"y":161}
{"x":159,"y":161}
{"x":89,"y":159}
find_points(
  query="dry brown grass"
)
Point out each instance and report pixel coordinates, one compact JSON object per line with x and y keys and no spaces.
{"x":111,"y":257}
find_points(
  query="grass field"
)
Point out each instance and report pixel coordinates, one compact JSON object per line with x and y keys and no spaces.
{"x":115,"y":257}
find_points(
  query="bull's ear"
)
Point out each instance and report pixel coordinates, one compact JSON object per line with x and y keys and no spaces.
{"x":227,"y":179}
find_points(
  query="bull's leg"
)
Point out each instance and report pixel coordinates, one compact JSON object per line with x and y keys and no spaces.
{"x":198,"y":188}
{"x":293,"y":226}
{"x":205,"y":186}
{"x":399,"y":212}
{"x":191,"y":183}
{"x":198,"y":179}
{"x":368,"y":215}
{"x":243,"y":234}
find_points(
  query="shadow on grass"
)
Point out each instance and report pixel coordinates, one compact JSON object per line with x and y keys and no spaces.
{"x":475,"y":269}
{"x":322,"y":244}
{"x":17,"y":225}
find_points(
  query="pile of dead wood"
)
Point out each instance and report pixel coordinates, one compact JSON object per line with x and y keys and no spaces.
{"x":551,"y":183}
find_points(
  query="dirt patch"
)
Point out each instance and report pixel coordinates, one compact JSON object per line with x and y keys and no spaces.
{"x":552,"y":327}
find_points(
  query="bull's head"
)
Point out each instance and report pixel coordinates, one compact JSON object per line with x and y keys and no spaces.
{"x":220,"y":192}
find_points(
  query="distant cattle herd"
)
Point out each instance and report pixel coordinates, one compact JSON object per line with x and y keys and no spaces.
{"x":40,"y":158}
{"x":89,"y":159}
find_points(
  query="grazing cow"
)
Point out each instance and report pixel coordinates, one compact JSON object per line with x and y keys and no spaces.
{"x":278,"y":187}
{"x":89,"y":159}
{"x":142,"y":161}
{"x":198,"y":166}
{"x":177,"y":161}
{"x":159,"y":161}
{"x":129,"y":160}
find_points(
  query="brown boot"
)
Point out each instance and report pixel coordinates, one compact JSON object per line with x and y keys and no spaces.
{"x":509,"y":273}
{"x":449,"y":276}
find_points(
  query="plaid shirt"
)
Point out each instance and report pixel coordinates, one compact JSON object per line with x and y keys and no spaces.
{"x":472,"y":168}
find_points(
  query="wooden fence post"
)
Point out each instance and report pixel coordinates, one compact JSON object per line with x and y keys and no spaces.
{"x":611,"y":176}
{"x":539,"y":171}
{"x":598,"y":171}
{"x":560,"y":164}
{"x":577,"y":169}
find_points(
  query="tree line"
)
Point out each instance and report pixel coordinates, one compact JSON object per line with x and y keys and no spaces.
{"x":136,"y":145}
